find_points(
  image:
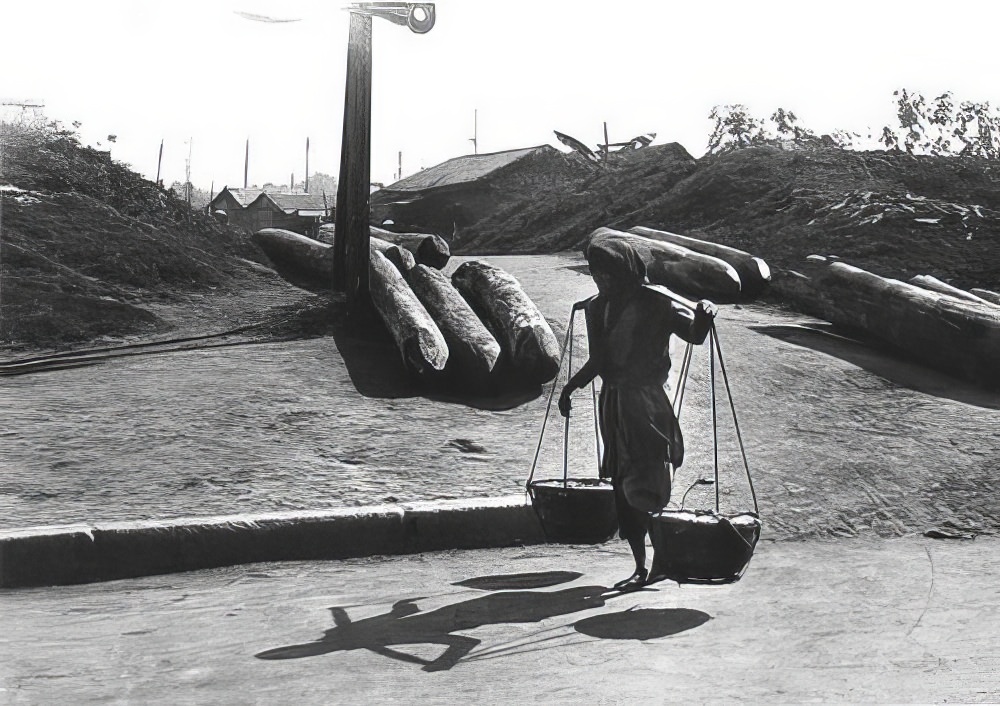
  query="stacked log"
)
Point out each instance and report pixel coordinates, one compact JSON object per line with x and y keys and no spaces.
{"x":986,"y":294}
{"x":524,"y":335}
{"x":690,"y":273}
{"x":315,"y":258}
{"x":430,"y":250}
{"x":473,"y":351}
{"x":465,"y":324}
{"x":403,"y":259}
{"x":939,"y":330}
{"x":305,"y":255}
{"x":753,"y":272}
{"x":936,"y":285}
{"x":420,"y":341}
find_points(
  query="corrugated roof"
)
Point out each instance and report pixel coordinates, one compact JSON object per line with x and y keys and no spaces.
{"x":298,"y":202}
{"x":461,"y":169}
{"x":245,"y":196}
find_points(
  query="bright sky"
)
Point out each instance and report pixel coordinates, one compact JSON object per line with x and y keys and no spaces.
{"x":184,"y":69}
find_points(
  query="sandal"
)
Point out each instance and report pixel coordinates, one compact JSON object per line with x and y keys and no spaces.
{"x":656,"y":578}
{"x":636,"y":580}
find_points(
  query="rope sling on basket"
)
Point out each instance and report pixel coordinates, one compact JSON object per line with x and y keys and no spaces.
{"x":572,"y":510}
{"x":706,"y":546}
{"x":690,"y":546}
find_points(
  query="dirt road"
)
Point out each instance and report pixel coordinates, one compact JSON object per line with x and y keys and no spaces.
{"x":842,"y":440}
{"x":877,"y":621}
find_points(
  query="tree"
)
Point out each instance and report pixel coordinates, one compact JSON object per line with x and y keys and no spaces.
{"x":320,"y":182}
{"x":911,"y":111}
{"x":734,"y":128}
{"x":942,"y":127}
{"x":787,"y":125}
{"x":941,"y":118}
{"x":889,"y":139}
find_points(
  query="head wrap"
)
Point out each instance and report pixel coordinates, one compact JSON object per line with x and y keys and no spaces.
{"x":618,"y":258}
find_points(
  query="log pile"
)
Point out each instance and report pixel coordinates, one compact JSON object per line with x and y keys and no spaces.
{"x":953,"y":334}
{"x":469,"y":330}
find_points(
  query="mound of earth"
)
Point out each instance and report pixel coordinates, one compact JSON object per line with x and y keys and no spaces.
{"x":537,"y":200}
{"x":87,"y":245}
{"x":560,"y":213}
{"x":90,"y":249}
{"x":893,"y":213}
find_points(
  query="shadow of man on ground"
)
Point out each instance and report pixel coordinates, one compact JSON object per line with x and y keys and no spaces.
{"x":405,"y":624}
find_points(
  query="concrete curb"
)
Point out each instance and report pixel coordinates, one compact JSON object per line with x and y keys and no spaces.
{"x":47,"y":556}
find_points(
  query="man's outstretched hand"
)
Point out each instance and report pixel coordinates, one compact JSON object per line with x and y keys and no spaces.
{"x":565,"y":404}
{"x":707,"y":308}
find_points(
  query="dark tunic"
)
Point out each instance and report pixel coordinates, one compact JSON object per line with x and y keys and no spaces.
{"x":629,"y":345}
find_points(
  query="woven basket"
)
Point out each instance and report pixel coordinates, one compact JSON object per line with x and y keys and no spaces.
{"x":702,"y":546}
{"x":577,"y":511}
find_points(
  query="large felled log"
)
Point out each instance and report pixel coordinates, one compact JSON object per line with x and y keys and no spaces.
{"x":523,"y":333}
{"x":400,"y":257}
{"x":420,"y":342}
{"x":955,"y":336}
{"x":472,"y":349}
{"x":934,"y":284}
{"x":685,"y":271}
{"x":295,"y":251}
{"x":315,"y":258}
{"x":753,"y":271}
{"x":418,"y":338}
{"x":430,"y":250}
{"x":986,"y":294}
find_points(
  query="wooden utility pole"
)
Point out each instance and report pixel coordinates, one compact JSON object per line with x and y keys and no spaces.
{"x":307,"y":165}
{"x":475,"y":131}
{"x":350,"y":256}
{"x":246,"y":165}
{"x":159,"y":161}
{"x":352,"y":242}
{"x":187,"y":174}
{"x":607,"y":142}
